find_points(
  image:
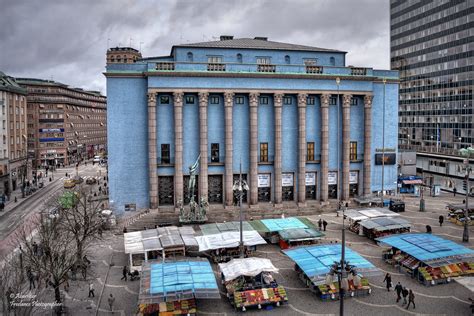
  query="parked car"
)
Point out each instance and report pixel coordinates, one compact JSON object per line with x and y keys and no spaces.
{"x":91,"y":181}
{"x":69,"y":184}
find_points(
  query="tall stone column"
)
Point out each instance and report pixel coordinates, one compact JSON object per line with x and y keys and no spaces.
{"x":178,"y":147}
{"x":203,"y":174}
{"x":229,"y":172}
{"x":324,"y":146}
{"x":346,"y":144}
{"x":253,"y":127}
{"x":152,"y":159}
{"x":302,"y":97}
{"x":367,"y":143}
{"x":277,"y":102}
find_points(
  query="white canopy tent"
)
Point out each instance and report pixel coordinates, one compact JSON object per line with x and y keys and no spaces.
{"x":229,"y":240}
{"x":247,"y":266}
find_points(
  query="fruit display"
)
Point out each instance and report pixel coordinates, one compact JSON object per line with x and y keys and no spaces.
{"x":182,"y":307}
{"x":259,"y":297}
{"x":331,"y":291}
{"x":447,"y":271}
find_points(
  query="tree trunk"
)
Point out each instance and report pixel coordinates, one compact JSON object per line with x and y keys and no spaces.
{"x":57,"y":296}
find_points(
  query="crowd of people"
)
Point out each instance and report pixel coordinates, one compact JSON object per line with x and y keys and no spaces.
{"x":401,"y":291}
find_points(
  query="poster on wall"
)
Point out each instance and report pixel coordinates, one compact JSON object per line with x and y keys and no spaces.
{"x":286,"y":179}
{"x":354,"y":177}
{"x":310,"y":178}
{"x":390,"y":159}
{"x":332,"y":177}
{"x":263,"y":180}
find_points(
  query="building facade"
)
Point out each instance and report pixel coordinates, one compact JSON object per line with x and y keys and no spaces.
{"x":65,"y":124}
{"x":13,"y":152}
{"x":432,"y":46}
{"x":301,"y":126}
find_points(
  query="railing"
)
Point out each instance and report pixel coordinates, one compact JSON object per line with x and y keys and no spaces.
{"x":167,"y":66}
{"x":215,"y":67}
{"x":314,"y":69}
{"x":266,"y":68}
{"x":358,"y":71}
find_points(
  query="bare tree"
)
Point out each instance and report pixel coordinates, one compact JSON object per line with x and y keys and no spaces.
{"x":55,"y":257}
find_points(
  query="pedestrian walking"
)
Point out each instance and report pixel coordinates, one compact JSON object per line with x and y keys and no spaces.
{"x":35,"y":248}
{"x":124,"y":273}
{"x":30,"y":277}
{"x":454,"y":191}
{"x":441,"y":220}
{"x":411,"y":299}
{"x":111,"y":300}
{"x":320,"y":223}
{"x":325,"y":224}
{"x":388,"y":280}
{"x":404,"y":294}
{"x":91,"y":289}
{"x":398,"y":289}
{"x":428,"y":229}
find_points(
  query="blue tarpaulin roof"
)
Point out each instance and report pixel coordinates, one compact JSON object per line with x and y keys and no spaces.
{"x":277,"y":224}
{"x":428,"y":247}
{"x":182,"y":279}
{"x":316,"y":261}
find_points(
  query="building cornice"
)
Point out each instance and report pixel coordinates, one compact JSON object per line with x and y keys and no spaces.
{"x":260,"y":91}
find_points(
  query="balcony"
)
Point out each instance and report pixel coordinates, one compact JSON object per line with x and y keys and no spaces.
{"x":165,"y":66}
{"x":358,"y":71}
{"x":266,"y":68}
{"x":215,"y":67}
{"x":314,"y":69}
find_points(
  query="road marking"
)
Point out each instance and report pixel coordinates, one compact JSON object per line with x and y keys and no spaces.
{"x":303,"y":312}
{"x":386,"y":306}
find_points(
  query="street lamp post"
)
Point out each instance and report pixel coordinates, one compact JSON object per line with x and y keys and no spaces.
{"x":383,"y":137}
{"x":338,"y":81}
{"x":467,"y":167}
{"x":241,"y":186}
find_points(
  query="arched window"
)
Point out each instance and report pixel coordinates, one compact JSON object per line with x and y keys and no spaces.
{"x":190,"y":56}
{"x":287,"y":59}
{"x":332,"y":61}
{"x":239,"y":58}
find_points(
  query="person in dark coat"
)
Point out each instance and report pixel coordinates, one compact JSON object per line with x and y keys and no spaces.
{"x":398,"y":289}
{"x":404,"y":294}
{"x":325,"y":224}
{"x":428,"y":229}
{"x":388,"y":280}
{"x":454,"y":191}
{"x":441,"y":220}
{"x":320,"y":223}
{"x":124,"y":273}
{"x":411,"y":299}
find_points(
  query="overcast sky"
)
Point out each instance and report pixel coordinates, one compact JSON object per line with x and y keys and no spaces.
{"x":67,"y":40}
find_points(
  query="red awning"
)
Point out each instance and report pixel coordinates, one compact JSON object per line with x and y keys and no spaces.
{"x":416,"y":181}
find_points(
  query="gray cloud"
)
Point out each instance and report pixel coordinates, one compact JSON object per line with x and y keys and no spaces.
{"x":67,"y":40}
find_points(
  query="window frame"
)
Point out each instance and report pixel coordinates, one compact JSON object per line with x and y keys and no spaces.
{"x":214,"y":59}
{"x":310,"y":151}
{"x":215,"y":152}
{"x":311,"y":101}
{"x":263,"y":100}
{"x":263,"y":152}
{"x":214,"y":99}
{"x":164,"y":99}
{"x":165,"y":148}
{"x":287,"y":100}
{"x":352,"y":150}
{"x":239,"y":100}
{"x":189,"y":99}
{"x":263,"y":60}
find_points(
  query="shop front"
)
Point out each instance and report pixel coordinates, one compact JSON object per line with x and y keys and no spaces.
{"x":332,"y":184}
{"x":288,"y":189}
{"x":310,"y":185}
{"x":264,"y":187}
{"x":353,"y":183}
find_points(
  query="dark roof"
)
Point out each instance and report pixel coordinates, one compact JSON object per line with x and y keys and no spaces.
{"x":258,"y":43}
{"x":8,"y":83}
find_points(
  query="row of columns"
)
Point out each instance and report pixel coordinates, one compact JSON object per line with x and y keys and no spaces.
{"x":253,"y":161}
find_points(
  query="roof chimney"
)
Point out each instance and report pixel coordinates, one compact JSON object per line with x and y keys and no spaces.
{"x":226,"y":37}
{"x":261,"y":38}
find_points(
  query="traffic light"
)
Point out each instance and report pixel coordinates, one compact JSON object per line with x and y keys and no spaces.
{"x":464,"y":185}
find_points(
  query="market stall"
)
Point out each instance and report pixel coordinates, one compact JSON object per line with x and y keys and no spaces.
{"x":356,"y":216}
{"x":216,"y":228}
{"x":153,"y":243}
{"x":429,"y":258}
{"x":172,"y":288}
{"x":314,"y":265}
{"x":383,"y":226}
{"x":249,"y":283}
{"x":270,"y":228}
{"x":456,"y":214}
{"x":223,"y":247}
{"x":298,"y":237}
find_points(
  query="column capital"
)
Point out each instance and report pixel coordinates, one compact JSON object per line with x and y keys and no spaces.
{"x":368,"y":100}
{"x":253,"y":98}
{"x":278,"y":99}
{"x":346,"y":100}
{"x":228,"y":98}
{"x":152,"y":98}
{"x":178,"y":97}
{"x":325,"y":100}
{"x":302,"y":99}
{"x":203,"y":98}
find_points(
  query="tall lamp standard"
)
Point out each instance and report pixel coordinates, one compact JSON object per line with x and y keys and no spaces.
{"x":383,"y":137}
{"x":240,"y":186}
{"x":338,"y":81}
{"x":467,"y":167}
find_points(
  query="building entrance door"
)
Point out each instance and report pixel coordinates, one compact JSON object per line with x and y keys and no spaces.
{"x":166,"y":190}
{"x":310,"y":185}
{"x":287,"y":190}
{"x":353,"y":183}
{"x":215,"y":189}
{"x":332,"y":185}
{"x":264,"y":187}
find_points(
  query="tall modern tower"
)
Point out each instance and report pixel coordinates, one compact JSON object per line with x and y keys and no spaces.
{"x":432,"y":45}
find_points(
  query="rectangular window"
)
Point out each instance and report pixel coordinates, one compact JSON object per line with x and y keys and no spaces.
{"x":310,"y":151}
{"x":287,"y":100}
{"x":214,"y":100}
{"x":353,"y":151}
{"x":354,"y":101}
{"x":214,"y":59}
{"x":263,"y":100}
{"x":214,"y":152}
{"x":263,"y":152}
{"x":239,"y":100}
{"x":310,"y":61}
{"x":311,"y":101}
{"x":189,"y":99}
{"x":164,"y":99}
{"x":165,"y":153}
{"x":263,"y":60}
{"x":332,"y":101}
